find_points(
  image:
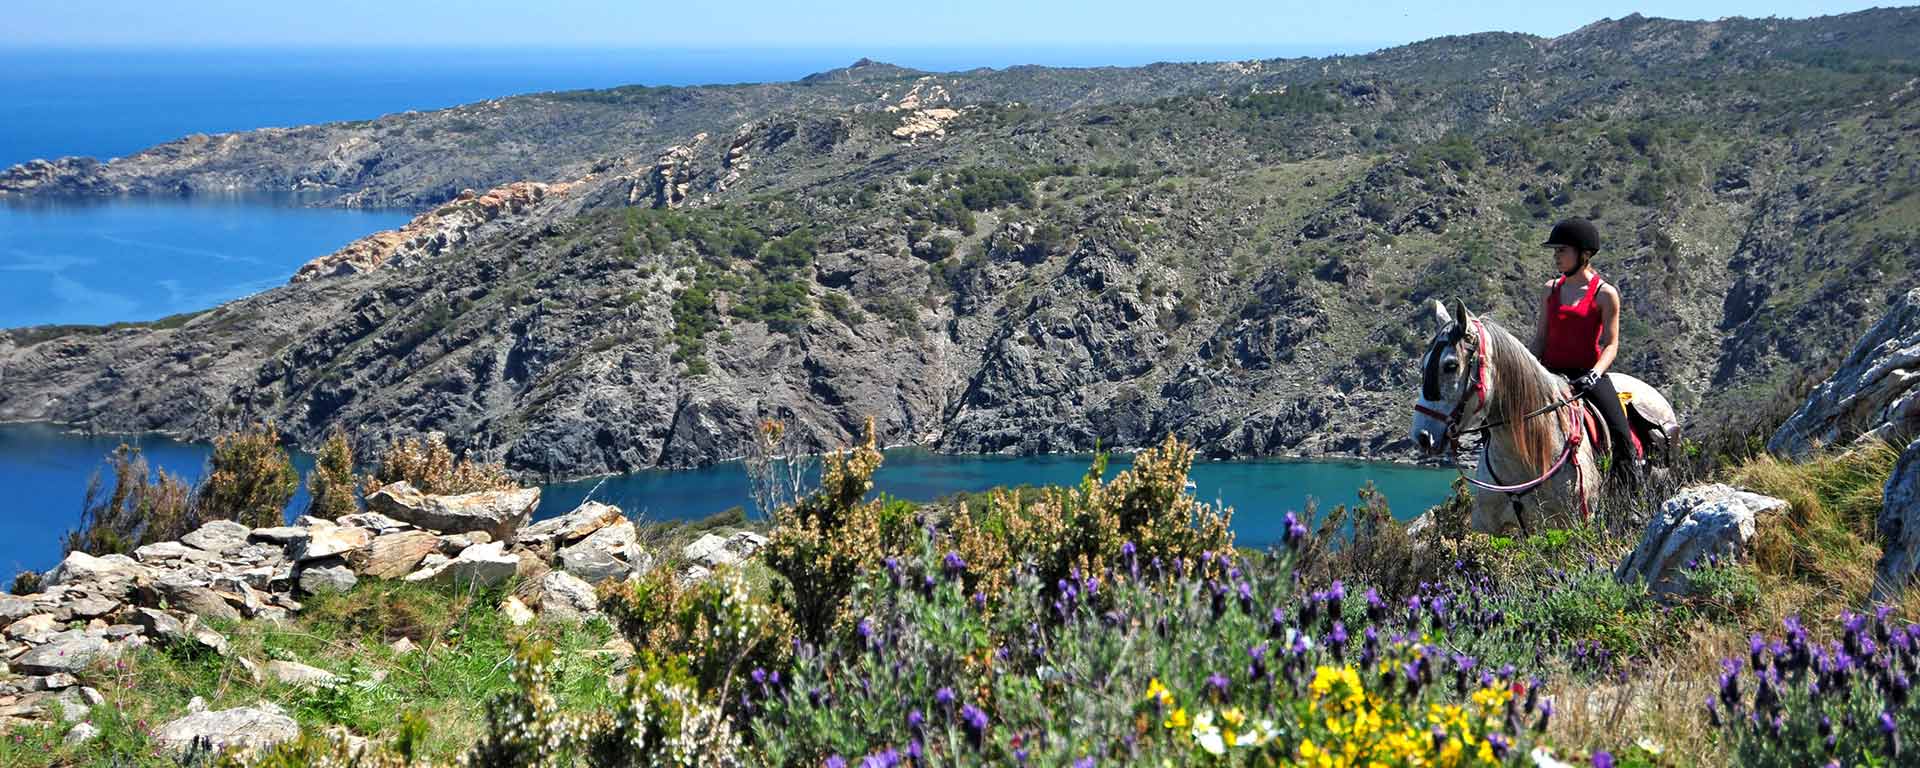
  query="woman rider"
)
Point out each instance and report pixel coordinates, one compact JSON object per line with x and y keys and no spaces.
{"x":1578,"y":335}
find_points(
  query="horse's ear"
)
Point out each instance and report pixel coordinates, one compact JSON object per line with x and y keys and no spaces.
{"x":1460,"y":311}
{"x":1438,"y":313}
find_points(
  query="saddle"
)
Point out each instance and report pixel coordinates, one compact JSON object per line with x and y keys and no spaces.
{"x":1652,"y":439}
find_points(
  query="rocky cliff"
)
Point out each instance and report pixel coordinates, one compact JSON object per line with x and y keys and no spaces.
{"x":1035,"y":259}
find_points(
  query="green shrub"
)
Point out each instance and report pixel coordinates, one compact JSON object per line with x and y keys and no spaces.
{"x":429,"y":465}
{"x":330,"y":485}
{"x":143,"y":508}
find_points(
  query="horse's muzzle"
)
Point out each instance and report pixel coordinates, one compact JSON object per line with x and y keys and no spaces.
{"x":1428,"y":445}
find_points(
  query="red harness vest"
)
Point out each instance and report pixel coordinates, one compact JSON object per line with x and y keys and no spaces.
{"x":1573,"y":330}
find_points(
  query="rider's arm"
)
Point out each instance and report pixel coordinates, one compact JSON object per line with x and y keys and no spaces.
{"x":1609,"y":301}
{"x":1538,"y":346}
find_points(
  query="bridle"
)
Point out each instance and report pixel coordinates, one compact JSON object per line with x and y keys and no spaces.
{"x":1476,"y":335}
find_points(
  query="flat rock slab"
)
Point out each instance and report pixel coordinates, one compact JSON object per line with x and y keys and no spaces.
{"x":70,"y":652}
{"x":219,"y":537}
{"x":573,"y":526}
{"x":500,"y":514}
{"x":246,"y":729}
{"x":328,"y":542}
{"x":327,"y":576}
{"x":394,"y":555}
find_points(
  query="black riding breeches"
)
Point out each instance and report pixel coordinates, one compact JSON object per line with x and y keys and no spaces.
{"x":1607,"y":400}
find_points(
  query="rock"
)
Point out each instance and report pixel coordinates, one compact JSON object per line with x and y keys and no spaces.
{"x":159,"y":624}
{"x":91,"y":697}
{"x":89,"y":606}
{"x":610,"y":553}
{"x":516,"y":612}
{"x":301,"y":675}
{"x":571,"y":527}
{"x":1708,"y":521}
{"x":68,"y":652}
{"x":281,"y":535}
{"x":312,"y":523}
{"x":453,"y":544}
{"x":1899,"y":527}
{"x":173,"y":550}
{"x":253,"y":670}
{"x":328,"y":542}
{"x":327,"y":576}
{"x":498,"y":513}
{"x":565,"y":597}
{"x":58,"y":681}
{"x":375,"y":522}
{"x":196,"y":705}
{"x":247,"y":729}
{"x":210,"y":640}
{"x":220,"y":537}
{"x":114,"y":574}
{"x":483,"y":565}
{"x":393,"y":555}
{"x":81,"y":734}
{"x":194,"y":597}
{"x":15,"y":607}
{"x":31,"y":626}
{"x":1873,"y":394}
{"x":713,"y":549}
{"x":403,"y":646}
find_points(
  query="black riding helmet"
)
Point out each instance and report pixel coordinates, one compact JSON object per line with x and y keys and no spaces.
{"x":1578,"y":233}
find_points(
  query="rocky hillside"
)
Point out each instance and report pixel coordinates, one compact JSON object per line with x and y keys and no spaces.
{"x":1035,"y":259}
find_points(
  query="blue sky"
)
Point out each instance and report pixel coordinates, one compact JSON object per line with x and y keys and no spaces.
{"x":842,"y":24}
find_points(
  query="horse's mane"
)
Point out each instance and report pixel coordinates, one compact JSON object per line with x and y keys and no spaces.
{"x":1521,"y":385}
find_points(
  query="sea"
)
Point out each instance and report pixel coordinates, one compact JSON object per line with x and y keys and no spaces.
{"x":125,"y":260}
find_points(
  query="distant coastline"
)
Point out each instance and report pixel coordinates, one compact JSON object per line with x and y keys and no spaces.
{"x":110,"y":102}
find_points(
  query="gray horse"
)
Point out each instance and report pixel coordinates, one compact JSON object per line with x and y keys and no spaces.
{"x":1538,"y":465}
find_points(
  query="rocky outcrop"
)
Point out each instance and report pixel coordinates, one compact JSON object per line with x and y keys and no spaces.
{"x":1698,"y":526}
{"x":66,"y":177}
{"x":1873,"y":395}
{"x":499,"y":514}
{"x":433,"y":232}
{"x":1899,"y":527}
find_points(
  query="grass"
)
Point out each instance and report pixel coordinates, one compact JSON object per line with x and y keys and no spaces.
{"x":464,"y":646}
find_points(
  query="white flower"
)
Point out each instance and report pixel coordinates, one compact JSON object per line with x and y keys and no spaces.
{"x":1207,"y":734}
{"x":1543,"y":758}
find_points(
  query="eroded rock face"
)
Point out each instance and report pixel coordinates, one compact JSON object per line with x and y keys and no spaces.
{"x":1872,"y":395}
{"x":432,"y":232}
{"x":1700,"y":524}
{"x":1899,"y":527}
{"x":499,"y":514}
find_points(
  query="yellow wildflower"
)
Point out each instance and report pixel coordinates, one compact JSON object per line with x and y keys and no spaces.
{"x":1177,"y":718}
{"x":1158,"y":693}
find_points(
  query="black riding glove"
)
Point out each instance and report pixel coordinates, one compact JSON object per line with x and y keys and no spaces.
{"x":1586,"y":381}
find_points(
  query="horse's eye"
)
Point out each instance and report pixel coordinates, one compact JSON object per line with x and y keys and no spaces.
{"x":1452,"y":366}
